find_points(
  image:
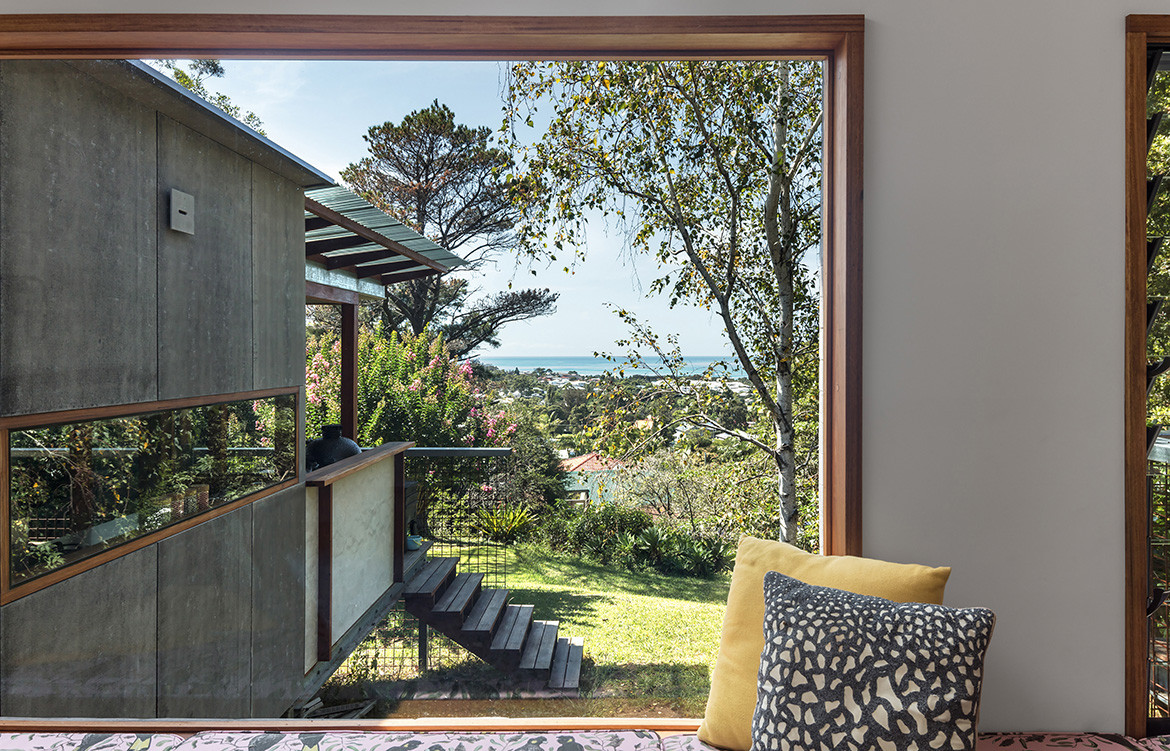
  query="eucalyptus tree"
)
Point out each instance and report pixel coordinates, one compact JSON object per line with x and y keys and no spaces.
{"x":714,"y":169}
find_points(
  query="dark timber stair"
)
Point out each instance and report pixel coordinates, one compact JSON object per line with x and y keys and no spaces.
{"x":483,"y":622}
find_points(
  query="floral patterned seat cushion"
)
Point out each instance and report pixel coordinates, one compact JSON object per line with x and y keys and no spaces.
{"x":627,"y":740}
{"x":999,"y":742}
{"x":88,"y":742}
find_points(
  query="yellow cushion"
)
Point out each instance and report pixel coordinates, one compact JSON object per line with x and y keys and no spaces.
{"x":728,"y":720}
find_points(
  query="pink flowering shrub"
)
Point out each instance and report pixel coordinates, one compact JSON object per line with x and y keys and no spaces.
{"x":409,"y":389}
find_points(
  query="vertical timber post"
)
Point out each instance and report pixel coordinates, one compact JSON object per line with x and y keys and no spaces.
{"x":398,"y":546}
{"x":325,"y":573}
{"x":422,"y":646}
{"x":349,"y":369}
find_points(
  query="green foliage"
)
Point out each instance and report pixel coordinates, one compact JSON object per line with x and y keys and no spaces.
{"x":535,"y":474}
{"x":713,"y":168}
{"x":193,"y":74}
{"x":595,"y":529}
{"x":555,"y":525}
{"x":1158,"y":225}
{"x":617,"y":535}
{"x":506,"y":524}
{"x":409,"y":388}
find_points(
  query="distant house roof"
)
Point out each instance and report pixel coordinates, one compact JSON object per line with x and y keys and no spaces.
{"x":591,"y":462}
{"x":345,"y":235}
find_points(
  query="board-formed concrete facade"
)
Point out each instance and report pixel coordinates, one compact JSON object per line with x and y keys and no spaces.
{"x":103,"y":304}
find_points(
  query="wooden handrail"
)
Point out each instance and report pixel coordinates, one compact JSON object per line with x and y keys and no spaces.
{"x":334,"y":472}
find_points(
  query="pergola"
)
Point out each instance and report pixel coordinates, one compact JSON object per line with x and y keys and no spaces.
{"x":353,"y":250}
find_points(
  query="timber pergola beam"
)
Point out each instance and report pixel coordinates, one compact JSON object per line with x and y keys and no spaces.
{"x":369,"y":235}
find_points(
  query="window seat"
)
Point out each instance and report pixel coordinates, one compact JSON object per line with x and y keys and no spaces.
{"x":306,"y":736}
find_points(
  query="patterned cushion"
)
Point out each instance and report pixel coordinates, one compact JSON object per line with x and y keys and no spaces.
{"x":596,"y":740}
{"x":846,"y":671}
{"x":727,"y":723}
{"x":88,"y":741}
{"x":1066,"y":741}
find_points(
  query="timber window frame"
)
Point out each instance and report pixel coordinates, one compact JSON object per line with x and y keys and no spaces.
{"x":10,"y":591}
{"x":837,"y":39}
{"x":1141,"y":31}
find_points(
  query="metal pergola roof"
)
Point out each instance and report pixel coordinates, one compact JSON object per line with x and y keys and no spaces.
{"x":344,"y":231}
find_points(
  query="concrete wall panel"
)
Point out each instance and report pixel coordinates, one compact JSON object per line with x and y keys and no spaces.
{"x":204,"y":619}
{"x":205,"y":279}
{"x":363,"y":526}
{"x":84,"y":647}
{"x":278,"y":308}
{"x":77,"y":269}
{"x":278,"y":600}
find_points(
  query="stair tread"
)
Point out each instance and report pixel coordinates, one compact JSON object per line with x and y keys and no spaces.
{"x":415,"y":582}
{"x":543,"y":635}
{"x":429,"y":579}
{"x":459,"y":594}
{"x":513,"y":629}
{"x":566,"y":664}
{"x":412,"y":559}
{"x":486,"y":611}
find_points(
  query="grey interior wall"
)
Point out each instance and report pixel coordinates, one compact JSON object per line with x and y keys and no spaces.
{"x":77,"y":261}
{"x":84,"y":647}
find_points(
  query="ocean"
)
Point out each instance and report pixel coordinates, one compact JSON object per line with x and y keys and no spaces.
{"x":587,"y":365}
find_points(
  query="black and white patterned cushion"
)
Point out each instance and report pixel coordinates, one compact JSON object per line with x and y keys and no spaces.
{"x":850,"y":672}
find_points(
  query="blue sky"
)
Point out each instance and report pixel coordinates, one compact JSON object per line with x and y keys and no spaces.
{"x":320,"y":111}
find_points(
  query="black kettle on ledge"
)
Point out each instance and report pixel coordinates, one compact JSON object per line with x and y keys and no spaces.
{"x":329,"y":448}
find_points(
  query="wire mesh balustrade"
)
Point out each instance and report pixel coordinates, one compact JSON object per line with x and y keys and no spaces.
{"x":1158,"y":479}
{"x":451,"y":493}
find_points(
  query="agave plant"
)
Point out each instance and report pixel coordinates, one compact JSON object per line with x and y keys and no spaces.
{"x":504,"y":524}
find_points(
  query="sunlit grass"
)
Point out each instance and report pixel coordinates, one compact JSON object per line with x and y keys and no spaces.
{"x":650,"y":640}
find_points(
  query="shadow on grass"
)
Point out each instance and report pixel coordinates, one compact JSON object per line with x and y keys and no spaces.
{"x":537,"y":566}
{"x":558,"y":604}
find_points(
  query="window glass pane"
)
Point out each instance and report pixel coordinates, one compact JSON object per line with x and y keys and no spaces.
{"x":77,"y":489}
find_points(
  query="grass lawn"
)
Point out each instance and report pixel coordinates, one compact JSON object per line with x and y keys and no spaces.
{"x":650,"y":641}
{"x":650,"y":638}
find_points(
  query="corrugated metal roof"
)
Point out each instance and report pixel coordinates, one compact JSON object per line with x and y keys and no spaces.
{"x":344,"y":231}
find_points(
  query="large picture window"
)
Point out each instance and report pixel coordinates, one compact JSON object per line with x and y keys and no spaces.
{"x":78,"y":488}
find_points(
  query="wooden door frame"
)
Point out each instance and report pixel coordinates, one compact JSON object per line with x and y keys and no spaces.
{"x":1140,"y":32}
{"x":838,"y":39}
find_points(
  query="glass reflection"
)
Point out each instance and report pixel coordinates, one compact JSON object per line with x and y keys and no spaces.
{"x":80,"y":488}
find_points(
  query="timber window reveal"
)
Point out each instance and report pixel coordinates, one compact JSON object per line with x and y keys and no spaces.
{"x":1147,"y":284}
{"x":85,"y":486}
{"x":838,"y":39}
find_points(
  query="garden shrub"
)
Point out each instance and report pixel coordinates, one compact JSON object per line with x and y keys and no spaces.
{"x":505,"y":524}
{"x":595,"y":530}
{"x":555,"y":524}
{"x":618,"y":535}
